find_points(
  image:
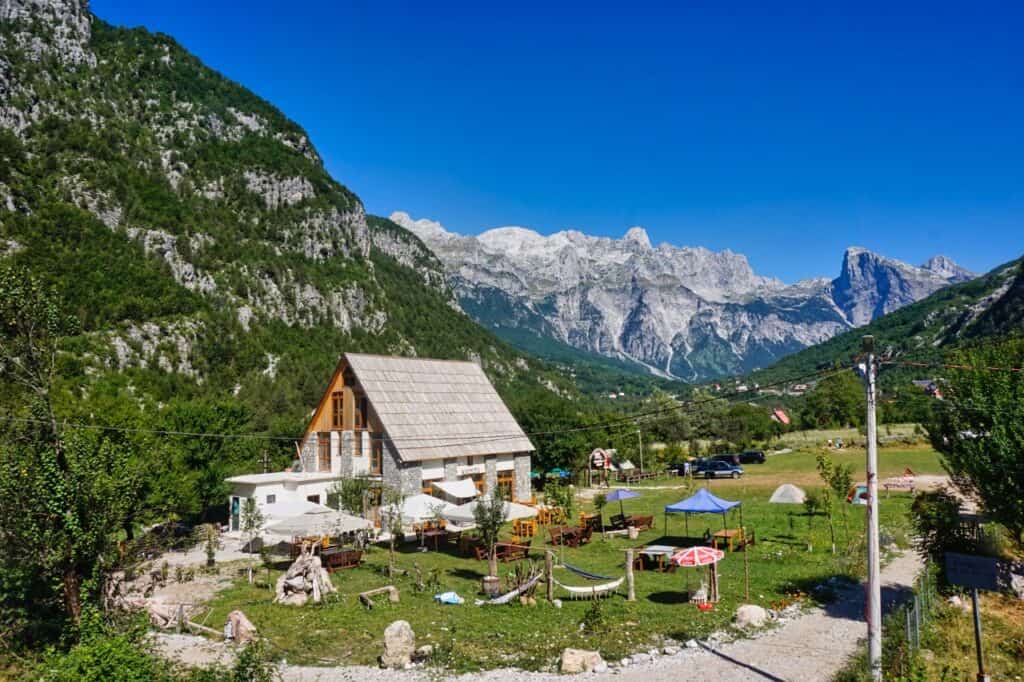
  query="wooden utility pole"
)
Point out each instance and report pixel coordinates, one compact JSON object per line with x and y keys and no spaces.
{"x":640,"y":439}
{"x":631,"y":588}
{"x":874,"y":613}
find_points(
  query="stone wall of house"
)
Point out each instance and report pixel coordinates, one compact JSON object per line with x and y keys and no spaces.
{"x":345,"y":454}
{"x":522,"y":467}
{"x":406,"y":477}
{"x":451,"y":469}
{"x":307,"y":455}
{"x":490,"y":472}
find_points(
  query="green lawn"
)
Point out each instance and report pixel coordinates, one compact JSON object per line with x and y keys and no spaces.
{"x":341,"y":631}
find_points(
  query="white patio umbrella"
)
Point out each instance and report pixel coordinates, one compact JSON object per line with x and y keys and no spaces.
{"x":419,"y":508}
{"x":322,"y":521}
{"x":466,"y":513}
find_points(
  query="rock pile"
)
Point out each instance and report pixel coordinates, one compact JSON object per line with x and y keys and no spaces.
{"x":305,"y":579}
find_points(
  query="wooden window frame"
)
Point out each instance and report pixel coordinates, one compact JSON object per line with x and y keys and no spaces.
{"x":376,"y":454}
{"x":361,"y":409}
{"x":337,"y":410}
{"x":507,"y":479}
{"x":427,"y":487}
{"x":323,"y":452}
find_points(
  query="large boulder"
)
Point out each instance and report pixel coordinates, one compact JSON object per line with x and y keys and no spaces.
{"x":750,"y":616}
{"x":242,"y":628}
{"x":581,"y":661}
{"x":399,"y":645}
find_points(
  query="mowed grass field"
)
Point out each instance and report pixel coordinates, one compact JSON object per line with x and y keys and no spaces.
{"x":781,"y":571}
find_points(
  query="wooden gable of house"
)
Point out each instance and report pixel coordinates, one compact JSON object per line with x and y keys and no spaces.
{"x":343,"y":406}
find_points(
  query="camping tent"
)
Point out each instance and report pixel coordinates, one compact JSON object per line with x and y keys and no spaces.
{"x":703,"y":502}
{"x":787,"y":493}
{"x":466,"y":513}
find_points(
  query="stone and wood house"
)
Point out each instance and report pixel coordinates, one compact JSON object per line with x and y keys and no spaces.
{"x":416,"y":425}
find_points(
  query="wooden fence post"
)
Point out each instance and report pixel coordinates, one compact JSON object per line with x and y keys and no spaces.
{"x":631,"y":594}
{"x":549,"y":569}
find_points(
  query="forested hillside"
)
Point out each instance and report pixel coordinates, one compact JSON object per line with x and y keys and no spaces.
{"x":215,"y":269}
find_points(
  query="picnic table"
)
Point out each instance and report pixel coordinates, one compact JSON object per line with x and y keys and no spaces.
{"x":659,"y":554}
{"x":565,"y":535}
{"x":728,"y":536}
{"x":434,"y":536}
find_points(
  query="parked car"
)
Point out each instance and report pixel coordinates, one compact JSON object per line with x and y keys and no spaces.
{"x":678,"y":469}
{"x":752,"y":457}
{"x":730,"y":458}
{"x":719,"y":469}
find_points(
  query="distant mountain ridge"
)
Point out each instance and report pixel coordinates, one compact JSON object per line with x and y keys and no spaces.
{"x":680,"y":312}
{"x":969,"y":312}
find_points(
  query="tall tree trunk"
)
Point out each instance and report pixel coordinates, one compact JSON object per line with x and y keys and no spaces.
{"x":73,"y":595}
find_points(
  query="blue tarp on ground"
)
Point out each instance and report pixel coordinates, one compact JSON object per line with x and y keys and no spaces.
{"x":701,"y":503}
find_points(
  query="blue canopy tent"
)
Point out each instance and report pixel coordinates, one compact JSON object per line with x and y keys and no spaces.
{"x":703,"y":502}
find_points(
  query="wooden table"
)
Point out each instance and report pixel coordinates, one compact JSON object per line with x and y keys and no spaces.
{"x":566,"y":535}
{"x":434,"y":536}
{"x":660,"y":553}
{"x":727,"y":535}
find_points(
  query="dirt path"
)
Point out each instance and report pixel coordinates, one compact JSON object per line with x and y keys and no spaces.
{"x":812,"y":647}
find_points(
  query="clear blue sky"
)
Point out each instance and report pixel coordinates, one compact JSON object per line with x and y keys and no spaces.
{"x":785,"y":133}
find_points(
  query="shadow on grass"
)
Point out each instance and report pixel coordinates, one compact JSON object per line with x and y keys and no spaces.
{"x":843,"y":598}
{"x":673,"y":597}
{"x":466,"y":574}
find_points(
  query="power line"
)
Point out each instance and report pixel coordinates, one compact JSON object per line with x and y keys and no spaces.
{"x":629,"y":420}
{"x":941,"y":365}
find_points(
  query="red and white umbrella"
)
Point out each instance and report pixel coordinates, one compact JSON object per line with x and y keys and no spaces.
{"x":697,"y":556}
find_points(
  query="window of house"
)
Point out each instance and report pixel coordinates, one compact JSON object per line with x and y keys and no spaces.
{"x":507,"y":484}
{"x":337,"y":410}
{"x":428,"y":488}
{"x":376,"y":453}
{"x":315,"y":499}
{"x":271,"y":499}
{"x":324,"y":452}
{"x":478,"y":481}
{"x":361,"y":412}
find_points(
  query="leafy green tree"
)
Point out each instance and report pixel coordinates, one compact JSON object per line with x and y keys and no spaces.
{"x":252,"y":522}
{"x":838,"y":400}
{"x":839,"y":479}
{"x":62,"y":499}
{"x":490,"y":515}
{"x":978,"y":430}
{"x":60,"y":511}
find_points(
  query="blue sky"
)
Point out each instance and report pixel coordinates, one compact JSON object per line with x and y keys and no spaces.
{"x":784,"y":133}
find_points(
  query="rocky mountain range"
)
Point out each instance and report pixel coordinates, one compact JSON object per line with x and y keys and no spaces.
{"x":680,"y":312}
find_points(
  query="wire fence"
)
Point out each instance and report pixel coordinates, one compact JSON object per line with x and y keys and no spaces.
{"x":908,"y":620}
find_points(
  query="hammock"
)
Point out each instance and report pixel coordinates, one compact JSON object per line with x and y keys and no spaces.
{"x":585,"y":574}
{"x":592,"y":591}
{"x":506,"y":598}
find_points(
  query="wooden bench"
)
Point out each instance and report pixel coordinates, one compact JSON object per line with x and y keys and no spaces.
{"x":641,"y":523}
{"x":617,"y":522}
{"x":340,"y":558}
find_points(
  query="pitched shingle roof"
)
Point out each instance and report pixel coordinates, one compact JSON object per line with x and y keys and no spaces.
{"x":437,"y":408}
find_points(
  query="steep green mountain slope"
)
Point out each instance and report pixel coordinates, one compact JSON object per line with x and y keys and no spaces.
{"x":194,"y":231}
{"x":961,"y":314}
